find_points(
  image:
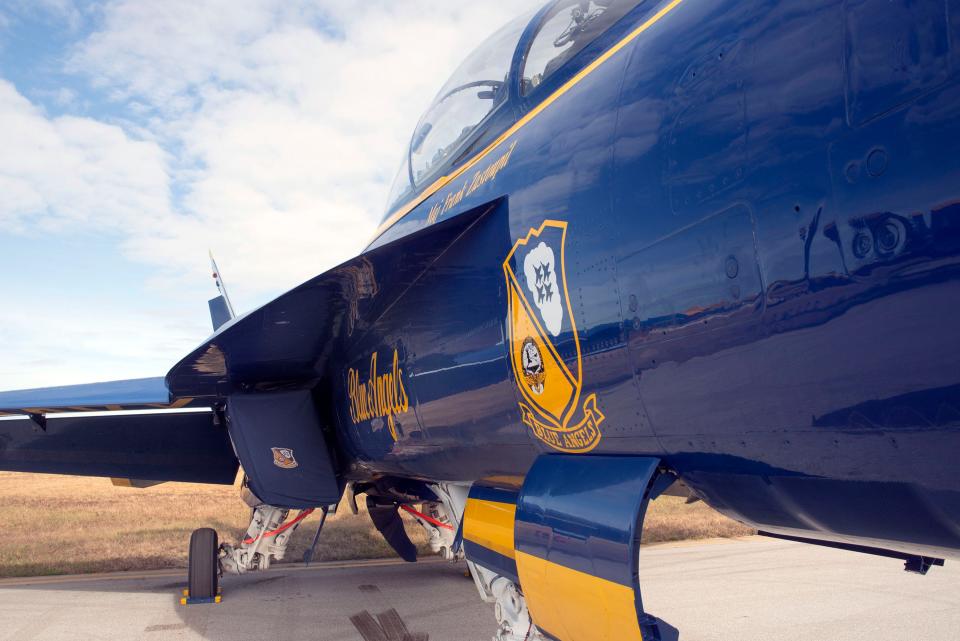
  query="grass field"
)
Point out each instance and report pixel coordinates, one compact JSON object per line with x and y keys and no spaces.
{"x":67,"y":525}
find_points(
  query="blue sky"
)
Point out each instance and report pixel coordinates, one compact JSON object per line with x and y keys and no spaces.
{"x":136,"y":134}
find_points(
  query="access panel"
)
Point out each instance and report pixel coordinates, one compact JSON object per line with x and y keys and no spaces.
{"x":280,"y":442}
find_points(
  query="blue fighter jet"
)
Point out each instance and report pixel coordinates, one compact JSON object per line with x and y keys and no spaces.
{"x":633,"y":244}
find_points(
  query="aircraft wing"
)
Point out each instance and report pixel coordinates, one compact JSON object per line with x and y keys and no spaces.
{"x":133,"y":394}
{"x":128,"y":429}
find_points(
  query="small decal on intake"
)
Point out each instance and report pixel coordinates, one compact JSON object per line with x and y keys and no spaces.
{"x":283,"y":458}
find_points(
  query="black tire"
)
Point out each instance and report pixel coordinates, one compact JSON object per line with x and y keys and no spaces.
{"x":203,"y":576}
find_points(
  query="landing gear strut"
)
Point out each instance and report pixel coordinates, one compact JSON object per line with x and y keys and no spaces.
{"x":265,"y":541}
{"x":509,"y":606}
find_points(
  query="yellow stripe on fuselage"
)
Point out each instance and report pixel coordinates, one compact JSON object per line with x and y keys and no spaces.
{"x":575,"y":606}
{"x":443,"y":181}
{"x":490,"y":524}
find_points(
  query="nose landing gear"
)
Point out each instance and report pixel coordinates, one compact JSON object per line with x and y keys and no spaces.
{"x":265,"y":541}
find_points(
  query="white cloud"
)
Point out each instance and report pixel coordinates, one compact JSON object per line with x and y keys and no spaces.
{"x":289,"y":116}
{"x":62,"y":11}
{"x":276,"y":124}
{"x":72,"y":170}
{"x":93,"y":343}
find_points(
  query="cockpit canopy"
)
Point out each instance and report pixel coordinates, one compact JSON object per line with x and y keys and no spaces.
{"x":480,"y":85}
{"x":477,"y":87}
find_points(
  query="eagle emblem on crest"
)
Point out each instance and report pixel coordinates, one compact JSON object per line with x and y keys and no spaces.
{"x":283,"y":458}
{"x":541,"y":327}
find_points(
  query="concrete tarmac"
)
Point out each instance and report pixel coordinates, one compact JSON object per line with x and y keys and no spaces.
{"x":747,"y":590}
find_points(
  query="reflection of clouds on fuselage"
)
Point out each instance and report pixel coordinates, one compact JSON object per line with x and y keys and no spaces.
{"x":641,"y":133}
{"x":540,"y":270}
{"x":814,"y":75}
{"x":591,"y":137}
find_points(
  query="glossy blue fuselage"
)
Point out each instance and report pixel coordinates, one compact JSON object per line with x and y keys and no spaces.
{"x":723,"y":239}
{"x":762,"y":259}
{"x":763,"y":202}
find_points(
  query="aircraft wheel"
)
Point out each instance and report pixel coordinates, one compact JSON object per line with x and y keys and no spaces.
{"x":203,"y":576}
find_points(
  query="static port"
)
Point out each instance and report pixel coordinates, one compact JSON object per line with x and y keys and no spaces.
{"x":732,"y":267}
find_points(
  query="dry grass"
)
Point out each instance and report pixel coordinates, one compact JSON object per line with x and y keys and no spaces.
{"x":671,"y":519}
{"x":66,"y":525}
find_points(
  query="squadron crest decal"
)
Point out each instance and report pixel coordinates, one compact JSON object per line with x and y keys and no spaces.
{"x":540,"y":324}
{"x":283,"y":458}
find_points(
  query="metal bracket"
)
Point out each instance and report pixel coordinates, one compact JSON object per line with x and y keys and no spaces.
{"x":39,"y":422}
{"x":662,"y":482}
{"x":219,"y":416}
{"x":920,"y":564}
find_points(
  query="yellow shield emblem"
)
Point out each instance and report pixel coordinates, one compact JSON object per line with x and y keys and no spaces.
{"x":544,"y":345}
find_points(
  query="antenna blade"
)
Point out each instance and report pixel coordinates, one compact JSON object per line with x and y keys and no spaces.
{"x":218,"y":279}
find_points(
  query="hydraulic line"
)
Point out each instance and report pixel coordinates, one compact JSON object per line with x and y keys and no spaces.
{"x":428,"y":519}
{"x":286,"y":526}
